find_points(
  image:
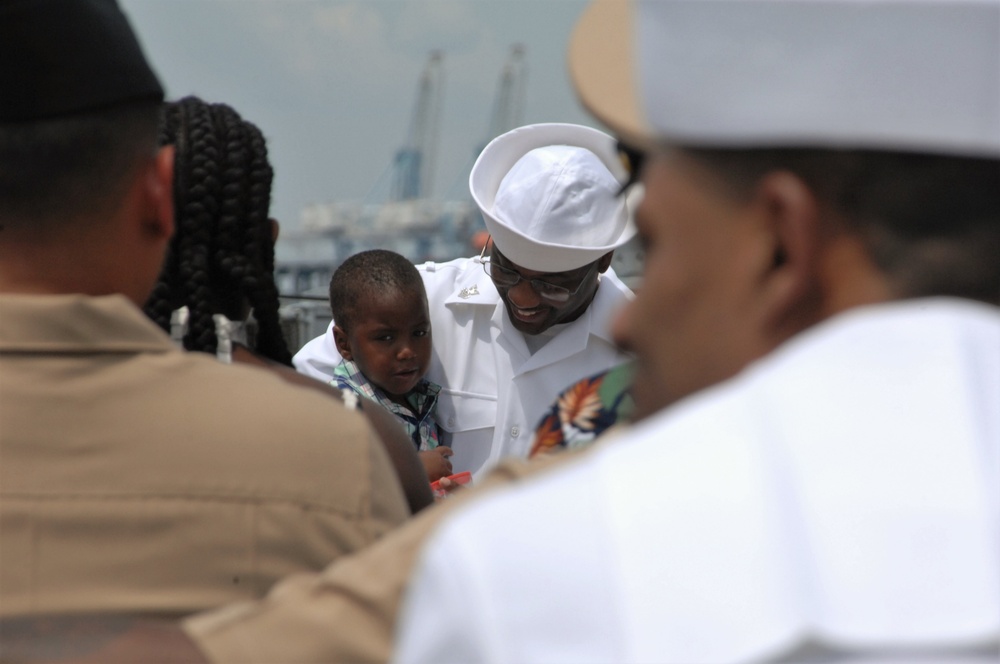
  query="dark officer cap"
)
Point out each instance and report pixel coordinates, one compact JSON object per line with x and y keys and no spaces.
{"x":62,"y":57}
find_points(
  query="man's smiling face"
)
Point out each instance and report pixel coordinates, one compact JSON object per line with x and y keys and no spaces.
{"x":532,"y":312}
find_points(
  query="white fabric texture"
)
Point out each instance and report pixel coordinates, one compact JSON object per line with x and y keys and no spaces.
{"x":842,"y":492}
{"x":562,"y":195}
{"x":921,"y":76}
{"x":548,"y":194}
{"x":494,"y":390}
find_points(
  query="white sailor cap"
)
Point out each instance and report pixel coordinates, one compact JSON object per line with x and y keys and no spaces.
{"x":549,"y":196}
{"x":903,"y":75}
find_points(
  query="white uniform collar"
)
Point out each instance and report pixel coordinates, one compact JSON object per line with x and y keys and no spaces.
{"x":474,"y":287}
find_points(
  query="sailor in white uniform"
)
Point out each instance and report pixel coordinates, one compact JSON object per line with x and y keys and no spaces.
{"x":513,"y":329}
{"x":818,"y":337}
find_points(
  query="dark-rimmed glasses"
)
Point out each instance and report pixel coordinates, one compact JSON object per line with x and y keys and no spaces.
{"x":506,"y":278}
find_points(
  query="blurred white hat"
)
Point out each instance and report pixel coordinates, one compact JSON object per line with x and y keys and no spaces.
{"x":548,"y":193}
{"x":904,"y":75}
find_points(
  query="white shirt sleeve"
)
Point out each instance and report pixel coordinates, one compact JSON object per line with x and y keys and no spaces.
{"x":319,"y":357}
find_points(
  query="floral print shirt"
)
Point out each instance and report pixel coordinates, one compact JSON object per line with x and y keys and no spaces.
{"x":584,"y":410}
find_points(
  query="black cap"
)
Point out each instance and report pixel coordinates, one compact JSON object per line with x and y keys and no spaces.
{"x":63,"y":57}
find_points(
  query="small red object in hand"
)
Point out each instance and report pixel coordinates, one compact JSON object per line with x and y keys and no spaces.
{"x":457,"y":478}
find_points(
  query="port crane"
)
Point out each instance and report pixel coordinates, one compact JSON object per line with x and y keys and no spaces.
{"x":506,"y":113}
{"x":413,"y":166}
{"x":508,"y":104}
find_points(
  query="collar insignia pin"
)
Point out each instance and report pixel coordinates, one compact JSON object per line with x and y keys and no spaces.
{"x":466,"y":293}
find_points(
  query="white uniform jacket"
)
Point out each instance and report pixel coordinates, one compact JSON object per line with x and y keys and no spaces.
{"x":837,"y":501}
{"x":493,"y":391}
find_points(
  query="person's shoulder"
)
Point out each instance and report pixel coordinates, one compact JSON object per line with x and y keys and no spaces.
{"x":611,"y":296}
{"x":327,"y":387}
{"x":273,"y":438}
{"x":444,"y":275}
{"x":315,"y":345}
{"x":614,"y":287}
{"x":452,"y":267}
{"x":168,"y":423}
{"x":460,"y":281}
{"x":252,"y":393}
{"x":318,"y":357}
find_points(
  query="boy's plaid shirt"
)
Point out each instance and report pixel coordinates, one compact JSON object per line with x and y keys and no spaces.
{"x":419,"y":421}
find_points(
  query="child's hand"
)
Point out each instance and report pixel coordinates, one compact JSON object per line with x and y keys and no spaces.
{"x":436,"y":463}
{"x":446,"y":486}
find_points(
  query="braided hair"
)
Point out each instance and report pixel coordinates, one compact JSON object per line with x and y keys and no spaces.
{"x":222,"y":254}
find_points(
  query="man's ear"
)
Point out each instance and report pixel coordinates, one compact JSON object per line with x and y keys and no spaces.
{"x":343,"y":343}
{"x":158,"y":195}
{"x":789,"y":259}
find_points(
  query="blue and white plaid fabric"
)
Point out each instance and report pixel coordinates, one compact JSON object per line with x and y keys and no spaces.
{"x":419,"y":420}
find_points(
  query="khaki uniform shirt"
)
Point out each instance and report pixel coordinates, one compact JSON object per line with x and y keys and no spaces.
{"x":135,"y":477}
{"x":348,"y":613}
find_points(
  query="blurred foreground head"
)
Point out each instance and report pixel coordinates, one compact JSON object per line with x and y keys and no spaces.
{"x":79,"y":166}
{"x":798,"y":159}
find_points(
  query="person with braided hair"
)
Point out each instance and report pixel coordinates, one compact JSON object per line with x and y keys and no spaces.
{"x":221,"y":258}
{"x":220,"y":264}
{"x":137,"y":477}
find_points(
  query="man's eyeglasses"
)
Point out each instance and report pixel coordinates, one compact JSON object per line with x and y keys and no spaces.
{"x":505,"y":277}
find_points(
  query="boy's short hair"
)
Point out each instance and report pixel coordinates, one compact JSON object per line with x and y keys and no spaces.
{"x":366,"y":274}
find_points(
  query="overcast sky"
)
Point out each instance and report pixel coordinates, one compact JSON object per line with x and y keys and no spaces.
{"x":332,"y":83}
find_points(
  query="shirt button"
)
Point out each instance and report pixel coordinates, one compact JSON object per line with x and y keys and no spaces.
{"x":451,"y":421}
{"x":515,"y":432}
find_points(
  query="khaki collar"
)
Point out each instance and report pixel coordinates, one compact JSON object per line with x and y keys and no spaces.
{"x":76,"y":324}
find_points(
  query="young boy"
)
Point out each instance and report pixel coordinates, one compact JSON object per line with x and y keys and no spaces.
{"x":383,"y":332}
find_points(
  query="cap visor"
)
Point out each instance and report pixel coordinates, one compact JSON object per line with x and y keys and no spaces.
{"x":601,"y":65}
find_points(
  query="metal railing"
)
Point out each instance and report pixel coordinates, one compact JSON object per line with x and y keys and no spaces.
{"x":303,"y":318}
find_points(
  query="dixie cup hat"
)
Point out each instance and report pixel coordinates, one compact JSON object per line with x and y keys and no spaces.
{"x":900,"y":75}
{"x":549,"y":196}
